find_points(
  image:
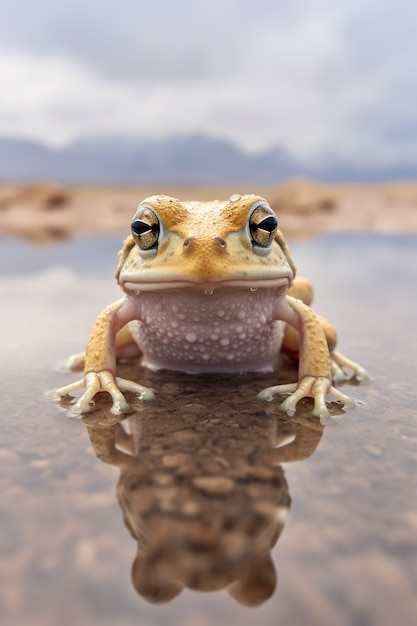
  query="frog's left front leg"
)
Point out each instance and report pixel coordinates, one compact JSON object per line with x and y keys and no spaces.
{"x":100,"y":363}
{"x":301,"y":289}
{"x":314,"y":371}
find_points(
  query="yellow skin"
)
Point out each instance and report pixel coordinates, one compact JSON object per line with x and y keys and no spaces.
{"x":210,"y":287}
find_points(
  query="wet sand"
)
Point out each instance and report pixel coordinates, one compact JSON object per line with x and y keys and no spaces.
{"x":47,"y":213}
{"x":207,"y":466}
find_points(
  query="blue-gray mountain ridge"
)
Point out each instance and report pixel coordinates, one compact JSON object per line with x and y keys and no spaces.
{"x":182,"y":160}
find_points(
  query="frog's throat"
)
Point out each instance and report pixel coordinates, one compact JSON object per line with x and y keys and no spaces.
{"x":265,"y":283}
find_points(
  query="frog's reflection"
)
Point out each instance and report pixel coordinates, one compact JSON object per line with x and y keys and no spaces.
{"x":201,"y":487}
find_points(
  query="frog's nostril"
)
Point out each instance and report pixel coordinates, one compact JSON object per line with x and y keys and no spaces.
{"x":220,"y":242}
{"x":187,"y":242}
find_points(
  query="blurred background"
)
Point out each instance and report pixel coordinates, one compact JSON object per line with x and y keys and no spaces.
{"x":310,"y":103}
{"x":218,"y":92}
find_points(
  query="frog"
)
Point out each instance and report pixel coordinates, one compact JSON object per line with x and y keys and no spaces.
{"x":211,"y":287}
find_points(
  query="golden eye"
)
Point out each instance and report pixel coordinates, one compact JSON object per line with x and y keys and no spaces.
{"x":146,"y":228}
{"x":263,"y":225}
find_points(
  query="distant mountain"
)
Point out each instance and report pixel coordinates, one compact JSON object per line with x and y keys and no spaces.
{"x":192,"y":160}
{"x":176,"y":160}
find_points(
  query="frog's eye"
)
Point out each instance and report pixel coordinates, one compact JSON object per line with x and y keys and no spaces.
{"x":146,"y":228}
{"x":263,"y":225}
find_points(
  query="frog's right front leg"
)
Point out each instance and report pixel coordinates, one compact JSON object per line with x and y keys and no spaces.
{"x":100,"y":363}
{"x":126,"y":347}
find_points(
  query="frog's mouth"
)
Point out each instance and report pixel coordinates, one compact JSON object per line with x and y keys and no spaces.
{"x":208,"y":286}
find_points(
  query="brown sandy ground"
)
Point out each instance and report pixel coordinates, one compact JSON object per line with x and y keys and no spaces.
{"x":46,"y":213}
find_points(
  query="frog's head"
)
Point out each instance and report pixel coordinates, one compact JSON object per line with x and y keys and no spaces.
{"x":210,"y":245}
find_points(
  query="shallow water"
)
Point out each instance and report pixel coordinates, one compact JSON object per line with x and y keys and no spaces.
{"x":337,"y":501}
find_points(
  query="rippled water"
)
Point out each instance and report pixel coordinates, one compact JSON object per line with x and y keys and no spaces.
{"x":221,"y":500}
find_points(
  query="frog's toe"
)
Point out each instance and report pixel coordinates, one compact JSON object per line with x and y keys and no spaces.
{"x":78,"y":409}
{"x":57,"y":394}
{"x":120,"y":406}
{"x":339,"y":376}
{"x":85,"y":403}
{"x":144,"y":393}
{"x":267,"y":394}
{"x":345,"y":401}
{"x":73,"y":363}
{"x":289,"y":405}
{"x":67,"y":390}
{"x":107,"y":382}
{"x":339,"y":361}
{"x":361,"y":374}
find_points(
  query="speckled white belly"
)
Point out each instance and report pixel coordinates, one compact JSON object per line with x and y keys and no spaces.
{"x":229,"y":330}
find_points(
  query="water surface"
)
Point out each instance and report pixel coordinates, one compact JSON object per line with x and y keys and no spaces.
{"x":320,"y":530}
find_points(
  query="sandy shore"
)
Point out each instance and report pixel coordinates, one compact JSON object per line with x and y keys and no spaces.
{"x":46,"y":213}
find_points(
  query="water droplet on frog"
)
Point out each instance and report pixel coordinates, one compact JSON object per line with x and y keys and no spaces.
{"x":254,"y":288}
{"x":208,"y":292}
{"x":235,"y":197}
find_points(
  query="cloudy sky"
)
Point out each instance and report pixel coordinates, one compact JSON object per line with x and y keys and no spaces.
{"x":323,"y":79}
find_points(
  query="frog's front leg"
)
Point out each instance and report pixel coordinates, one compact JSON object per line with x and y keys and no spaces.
{"x":314,"y":371}
{"x":302,"y":289}
{"x":100,"y":363}
{"x":125,"y":345}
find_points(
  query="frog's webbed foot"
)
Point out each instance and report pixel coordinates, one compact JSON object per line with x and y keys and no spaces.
{"x":339,"y":361}
{"x":95,"y":382}
{"x":316,"y":387}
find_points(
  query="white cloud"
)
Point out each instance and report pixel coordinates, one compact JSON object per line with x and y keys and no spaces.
{"x":315,"y":78}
